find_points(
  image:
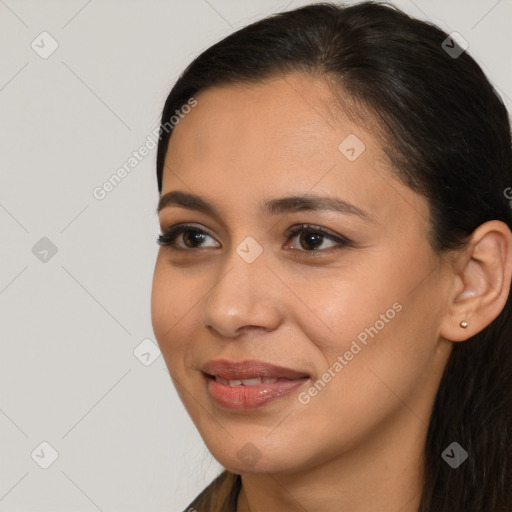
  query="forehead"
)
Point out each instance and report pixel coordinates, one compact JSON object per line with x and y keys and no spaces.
{"x":286,"y":123}
{"x":286,"y":115}
{"x":288,"y":134}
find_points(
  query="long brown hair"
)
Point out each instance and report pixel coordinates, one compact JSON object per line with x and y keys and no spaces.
{"x":447,"y":132}
{"x":220,"y":496}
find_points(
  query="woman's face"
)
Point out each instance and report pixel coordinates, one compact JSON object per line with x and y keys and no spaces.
{"x":355,"y":312}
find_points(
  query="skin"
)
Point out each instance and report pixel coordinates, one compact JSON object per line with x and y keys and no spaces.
{"x":357,"y":445}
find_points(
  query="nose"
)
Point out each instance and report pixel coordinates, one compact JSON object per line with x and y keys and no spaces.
{"x":245,"y":297}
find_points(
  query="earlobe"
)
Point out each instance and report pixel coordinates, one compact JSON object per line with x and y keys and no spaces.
{"x":482,"y":280}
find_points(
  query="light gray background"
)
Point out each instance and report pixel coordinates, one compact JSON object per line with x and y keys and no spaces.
{"x":70,"y":324}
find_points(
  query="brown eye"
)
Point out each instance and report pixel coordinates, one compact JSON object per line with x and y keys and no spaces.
{"x":190,"y":236}
{"x":312,"y":237}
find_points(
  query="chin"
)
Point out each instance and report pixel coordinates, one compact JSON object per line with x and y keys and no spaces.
{"x":256,"y":454}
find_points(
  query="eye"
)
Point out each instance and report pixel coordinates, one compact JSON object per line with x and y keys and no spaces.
{"x":313,"y":237}
{"x":193,"y":236}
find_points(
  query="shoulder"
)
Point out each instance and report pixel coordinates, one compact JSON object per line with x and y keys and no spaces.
{"x":219,"y":496}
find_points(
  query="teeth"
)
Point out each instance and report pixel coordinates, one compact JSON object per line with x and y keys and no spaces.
{"x":250,"y":382}
{"x":255,"y":381}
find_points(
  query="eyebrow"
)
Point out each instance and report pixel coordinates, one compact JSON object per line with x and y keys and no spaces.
{"x":276,"y":206}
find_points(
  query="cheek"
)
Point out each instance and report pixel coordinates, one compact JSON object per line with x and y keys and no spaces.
{"x":373,"y":330}
{"x":365,"y":332}
{"x":171,"y":304}
{"x":369,"y":299}
{"x":355,"y":304}
{"x":379,"y":358}
{"x":361,"y":383}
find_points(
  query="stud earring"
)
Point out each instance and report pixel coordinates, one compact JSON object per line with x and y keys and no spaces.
{"x":463,"y":324}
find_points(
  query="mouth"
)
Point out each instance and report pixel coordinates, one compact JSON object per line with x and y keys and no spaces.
{"x":249,"y":384}
{"x":252,"y":381}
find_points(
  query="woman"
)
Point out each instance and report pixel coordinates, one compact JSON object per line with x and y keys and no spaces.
{"x":332,"y":291}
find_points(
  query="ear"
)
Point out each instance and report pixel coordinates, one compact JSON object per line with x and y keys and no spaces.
{"x":481,"y":283}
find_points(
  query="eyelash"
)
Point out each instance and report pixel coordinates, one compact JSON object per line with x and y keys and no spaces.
{"x":169,"y":236}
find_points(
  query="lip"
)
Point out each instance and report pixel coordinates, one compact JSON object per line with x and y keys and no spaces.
{"x":245,"y":397}
{"x":249,"y":369}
